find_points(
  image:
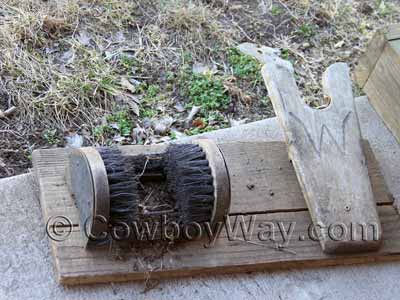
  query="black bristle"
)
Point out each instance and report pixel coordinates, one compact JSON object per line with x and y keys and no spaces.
{"x":188,"y":178}
{"x":190,"y":182}
{"x":123,"y":184}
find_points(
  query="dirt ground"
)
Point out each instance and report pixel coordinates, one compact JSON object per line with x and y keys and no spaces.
{"x":102,"y":72}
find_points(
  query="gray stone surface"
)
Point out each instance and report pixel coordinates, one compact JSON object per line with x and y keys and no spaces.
{"x":26,"y":264}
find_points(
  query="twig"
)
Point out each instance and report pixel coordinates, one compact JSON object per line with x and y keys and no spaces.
{"x":144,"y":168}
{"x":11,"y":131}
{"x":289,"y":11}
{"x":8,"y":112}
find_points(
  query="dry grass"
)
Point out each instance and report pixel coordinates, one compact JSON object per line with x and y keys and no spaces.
{"x":51,"y":76}
{"x":197,"y":25}
{"x":74,"y":65}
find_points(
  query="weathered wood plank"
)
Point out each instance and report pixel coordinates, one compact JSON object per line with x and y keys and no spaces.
{"x":383,"y":89}
{"x":369,"y":59}
{"x":378,"y":73}
{"x":366,"y":65}
{"x":263,"y":173}
{"x":75,"y":265}
{"x":395,"y":46}
{"x":325,"y":147}
{"x":392,"y":32}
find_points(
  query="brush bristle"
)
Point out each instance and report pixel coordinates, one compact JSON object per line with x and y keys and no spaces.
{"x":190,"y":182}
{"x":124,"y":198}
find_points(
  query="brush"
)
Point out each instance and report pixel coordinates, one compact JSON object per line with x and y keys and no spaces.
{"x":123,"y":186}
{"x":110,"y":183}
{"x":190,"y":182}
{"x":198,"y":180}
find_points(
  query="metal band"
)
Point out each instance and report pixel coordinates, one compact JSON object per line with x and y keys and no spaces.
{"x":90,"y":189}
{"x":222,"y":187}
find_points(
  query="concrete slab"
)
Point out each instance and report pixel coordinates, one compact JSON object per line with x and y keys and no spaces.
{"x":26,"y":264}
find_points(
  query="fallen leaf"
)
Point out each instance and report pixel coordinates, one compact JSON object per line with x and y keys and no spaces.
{"x":339,"y":44}
{"x":126,"y":84}
{"x":179,"y":107}
{"x":134,"y":107}
{"x":133,"y":103}
{"x":51,"y":25}
{"x":114,"y":126}
{"x":74,"y":140}
{"x":366,"y":9}
{"x":193,"y":112}
{"x":199,"y":123}
{"x":147,"y":123}
{"x":139,"y":135}
{"x":263,"y":7}
{"x":119,"y":139}
{"x":162,"y":126}
{"x":235,"y":123}
{"x":160,"y":140}
{"x":84,"y":38}
{"x":67,"y":57}
{"x":109,"y":55}
{"x":199,"y":68}
{"x":8,"y":112}
{"x":177,"y":133}
{"x":249,"y":49}
{"x":2,"y":164}
{"x":118,"y":37}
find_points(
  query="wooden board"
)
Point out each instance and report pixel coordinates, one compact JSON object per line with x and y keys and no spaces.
{"x":374,"y":51}
{"x":368,"y":61}
{"x":378,"y":73}
{"x":383,"y":89}
{"x":392,"y":32}
{"x":265,"y":175}
{"x":75,"y":265}
{"x":325,"y":148}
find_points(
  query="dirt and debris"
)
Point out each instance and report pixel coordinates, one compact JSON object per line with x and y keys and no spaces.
{"x":100,"y":72}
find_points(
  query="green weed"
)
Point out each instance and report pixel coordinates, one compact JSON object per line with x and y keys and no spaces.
{"x":306,"y":30}
{"x":102,"y":131}
{"x":123,"y":121}
{"x":152,"y":91}
{"x":276,"y":11}
{"x":173,"y":135}
{"x":127,"y":62}
{"x":207,"y":91}
{"x":51,"y":136}
{"x":384,"y":9}
{"x":208,"y":128}
{"x":285,"y":54}
{"x":147,"y":112}
{"x":196,"y":130}
{"x":244,"y":66}
{"x":151,"y":96}
{"x":116,"y":123}
{"x":265,"y":101}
